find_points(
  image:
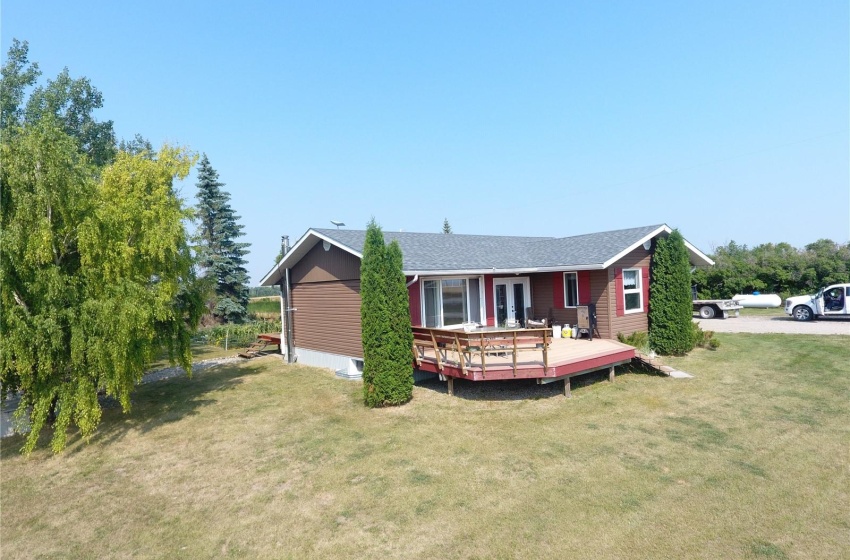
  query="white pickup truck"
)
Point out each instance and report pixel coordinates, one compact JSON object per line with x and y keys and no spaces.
{"x":832,"y":301}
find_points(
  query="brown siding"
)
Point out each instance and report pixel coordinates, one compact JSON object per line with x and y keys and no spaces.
{"x":631,"y":322}
{"x":600,"y":296}
{"x":319,"y":265}
{"x":327,"y":317}
{"x":542,"y":298}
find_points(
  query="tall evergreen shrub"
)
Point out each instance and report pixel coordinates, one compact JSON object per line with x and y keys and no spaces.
{"x":670,"y":307}
{"x":386,"y":332}
{"x":399,"y":387}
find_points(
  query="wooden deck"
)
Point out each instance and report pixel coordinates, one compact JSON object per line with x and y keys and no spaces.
{"x":492,"y":355}
{"x":562,"y":358}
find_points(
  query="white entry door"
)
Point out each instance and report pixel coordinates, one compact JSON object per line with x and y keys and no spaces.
{"x":512,"y":296}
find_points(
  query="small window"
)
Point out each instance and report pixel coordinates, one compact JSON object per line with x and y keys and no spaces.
{"x":570,"y":289}
{"x":632,"y":290}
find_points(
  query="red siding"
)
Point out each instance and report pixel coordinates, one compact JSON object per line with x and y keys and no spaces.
{"x":583,"y":287}
{"x":415,"y":303}
{"x":644,"y":273}
{"x":558,"y":289}
{"x":489,"y":300}
{"x":618,"y":291}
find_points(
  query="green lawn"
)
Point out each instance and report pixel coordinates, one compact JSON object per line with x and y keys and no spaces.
{"x":758,"y":312}
{"x":200,"y":352}
{"x":265,"y":460}
{"x":264,"y":305}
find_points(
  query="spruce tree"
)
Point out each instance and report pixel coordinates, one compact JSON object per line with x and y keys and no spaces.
{"x":670,"y":307}
{"x":386,"y":331}
{"x":447,"y":227}
{"x":222,"y":258}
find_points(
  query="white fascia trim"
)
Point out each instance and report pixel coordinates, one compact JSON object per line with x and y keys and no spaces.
{"x":636,"y":244}
{"x":699,"y":253}
{"x":642,"y":240}
{"x":289,"y":258}
{"x":482,"y":271}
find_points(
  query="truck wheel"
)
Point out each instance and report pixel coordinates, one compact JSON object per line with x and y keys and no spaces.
{"x":706,"y":312}
{"x":803,"y":313}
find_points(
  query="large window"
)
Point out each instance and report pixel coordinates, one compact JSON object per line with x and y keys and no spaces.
{"x":632,"y":290}
{"x":451,"y":301}
{"x":570,"y":289}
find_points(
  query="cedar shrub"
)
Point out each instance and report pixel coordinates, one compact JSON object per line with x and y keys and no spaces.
{"x":670,"y":307}
{"x":385,"y":323}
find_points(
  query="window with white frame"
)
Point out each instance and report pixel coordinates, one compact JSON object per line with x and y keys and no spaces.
{"x":632,"y":290}
{"x":451,"y":301}
{"x":570,"y":289}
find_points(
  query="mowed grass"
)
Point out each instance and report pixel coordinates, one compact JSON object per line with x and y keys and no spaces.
{"x":764,"y":312}
{"x":266,"y":460}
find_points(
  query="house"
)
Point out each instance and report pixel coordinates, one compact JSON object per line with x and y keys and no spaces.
{"x":455,"y":279}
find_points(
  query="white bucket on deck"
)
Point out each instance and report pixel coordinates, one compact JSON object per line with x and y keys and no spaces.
{"x":556,"y":331}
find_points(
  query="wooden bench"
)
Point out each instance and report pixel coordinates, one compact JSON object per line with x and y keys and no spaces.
{"x":256,"y":348}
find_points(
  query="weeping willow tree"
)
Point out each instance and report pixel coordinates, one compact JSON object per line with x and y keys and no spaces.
{"x":96,"y":275}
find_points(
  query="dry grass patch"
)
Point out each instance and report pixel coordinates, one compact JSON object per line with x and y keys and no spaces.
{"x":262,"y":459}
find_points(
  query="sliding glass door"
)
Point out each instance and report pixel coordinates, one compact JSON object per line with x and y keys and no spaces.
{"x":451,"y":302}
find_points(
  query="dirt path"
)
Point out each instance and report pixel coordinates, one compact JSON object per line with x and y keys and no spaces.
{"x":785,"y":325}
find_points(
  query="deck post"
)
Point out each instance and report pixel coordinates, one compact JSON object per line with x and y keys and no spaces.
{"x":567,"y":387}
{"x":460,"y":355}
{"x":451,"y":389}
{"x":515,"y":349}
{"x":611,"y":374}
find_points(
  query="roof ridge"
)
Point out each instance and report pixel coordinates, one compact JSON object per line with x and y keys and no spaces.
{"x":526,"y":237}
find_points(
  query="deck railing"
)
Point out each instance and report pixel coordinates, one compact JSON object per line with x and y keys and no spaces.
{"x":461,"y":347}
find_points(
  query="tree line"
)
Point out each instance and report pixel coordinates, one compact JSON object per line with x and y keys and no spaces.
{"x":773,"y":268}
{"x":98,"y":273}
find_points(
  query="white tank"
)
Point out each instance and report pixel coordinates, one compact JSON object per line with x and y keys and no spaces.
{"x":758,"y":300}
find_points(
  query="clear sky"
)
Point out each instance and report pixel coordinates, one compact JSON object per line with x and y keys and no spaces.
{"x":728,"y":120}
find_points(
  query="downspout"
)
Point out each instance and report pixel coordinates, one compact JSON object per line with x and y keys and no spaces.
{"x":282,"y":319}
{"x":412,"y":282}
{"x":290,"y":346}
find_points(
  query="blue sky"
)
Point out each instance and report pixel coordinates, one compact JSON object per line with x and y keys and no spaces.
{"x":728,"y":120}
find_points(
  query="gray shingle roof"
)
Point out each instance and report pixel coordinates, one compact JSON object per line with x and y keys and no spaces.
{"x":438,"y":251}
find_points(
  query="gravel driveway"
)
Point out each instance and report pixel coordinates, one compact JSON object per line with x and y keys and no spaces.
{"x":785,"y":325}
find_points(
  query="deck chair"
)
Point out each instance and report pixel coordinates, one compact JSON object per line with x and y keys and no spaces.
{"x":531,"y":323}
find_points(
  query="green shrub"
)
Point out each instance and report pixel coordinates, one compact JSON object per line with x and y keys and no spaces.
{"x":385,"y":323}
{"x":638,"y":339}
{"x":670,"y":307}
{"x":703,"y":339}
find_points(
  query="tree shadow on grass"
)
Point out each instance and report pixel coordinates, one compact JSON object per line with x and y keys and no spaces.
{"x":526,"y":389}
{"x":153,"y":405}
